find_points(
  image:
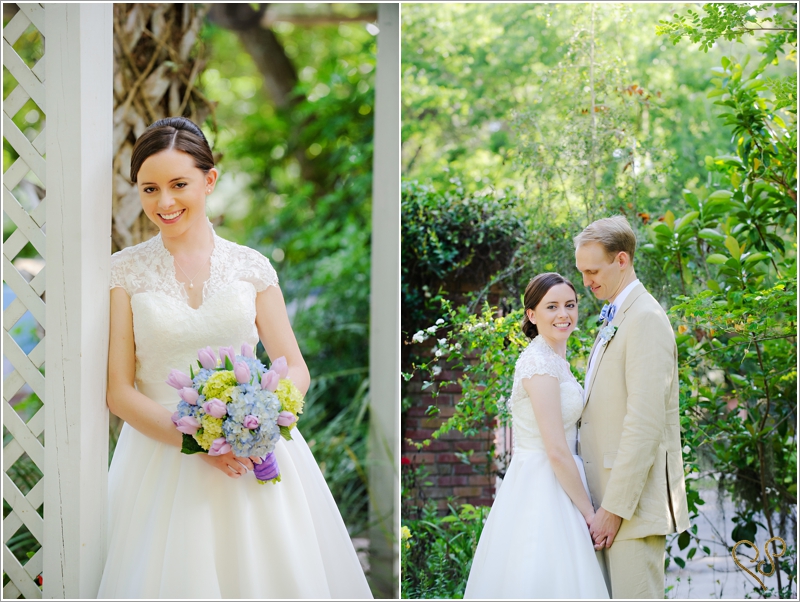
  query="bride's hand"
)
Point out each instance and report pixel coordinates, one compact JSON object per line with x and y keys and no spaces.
{"x":589,"y":518}
{"x":231,"y":465}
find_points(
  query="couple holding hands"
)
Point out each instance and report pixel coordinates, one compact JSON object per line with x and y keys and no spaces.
{"x":596,"y":481}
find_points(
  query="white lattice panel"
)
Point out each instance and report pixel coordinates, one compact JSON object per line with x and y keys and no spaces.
{"x":23,"y":452}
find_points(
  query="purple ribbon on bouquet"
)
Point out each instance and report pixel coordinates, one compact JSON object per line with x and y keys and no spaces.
{"x":268,"y":469}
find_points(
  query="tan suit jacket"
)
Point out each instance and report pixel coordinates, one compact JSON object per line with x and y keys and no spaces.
{"x":630,"y":438}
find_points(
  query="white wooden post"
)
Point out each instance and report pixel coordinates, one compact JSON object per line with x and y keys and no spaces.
{"x":384,"y":348}
{"x":79,"y":176}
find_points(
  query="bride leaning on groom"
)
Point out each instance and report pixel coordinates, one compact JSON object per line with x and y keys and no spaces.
{"x":596,"y":481}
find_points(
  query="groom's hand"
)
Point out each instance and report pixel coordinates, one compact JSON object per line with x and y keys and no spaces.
{"x":604,"y":528}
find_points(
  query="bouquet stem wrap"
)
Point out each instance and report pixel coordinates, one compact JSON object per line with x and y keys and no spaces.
{"x":268,"y":469}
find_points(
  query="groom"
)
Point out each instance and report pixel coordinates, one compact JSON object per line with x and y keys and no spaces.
{"x":630,"y":427}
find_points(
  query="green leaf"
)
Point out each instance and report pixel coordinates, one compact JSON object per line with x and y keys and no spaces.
{"x":228,"y":364}
{"x":716,"y":259}
{"x":191,"y":446}
{"x":688,"y":219}
{"x":669,"y":219}
{"x":754,"y":257}
{"x":713,"y":285}
{"x":720,"y":195}
{"x":661,"y":228}
{"x":191,"y":372}
{"x":733,"y":247}
{"x":711,"y":234}
{"x":754,"y":84}
{"x":680,"y":562}
{"x":286,"y":432}
{"x":684,"y":539}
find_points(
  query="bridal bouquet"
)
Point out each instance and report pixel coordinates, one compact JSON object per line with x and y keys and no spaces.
{"x":234,"y":403}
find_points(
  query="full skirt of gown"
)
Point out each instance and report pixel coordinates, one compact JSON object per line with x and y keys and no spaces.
{"x":180,"y":528}
{"x":535,"y":543}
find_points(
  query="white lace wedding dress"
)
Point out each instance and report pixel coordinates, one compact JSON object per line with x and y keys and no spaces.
{"x":179,"y":528}
{"x":535,"y":543}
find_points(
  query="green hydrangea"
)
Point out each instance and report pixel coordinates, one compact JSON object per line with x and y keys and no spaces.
{"x":220,"y":385}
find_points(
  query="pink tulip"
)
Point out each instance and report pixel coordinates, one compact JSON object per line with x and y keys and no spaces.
{"x":178,"y":379}
{"x":252,"y":422}
{"x":281,"y":367}
{"x":175,"y":418}
{"x":227,"y":351}
{"x":189,"y":395}
{"x":207,"y":358}
{"x":218,"y":447}
{"x":247,"y":351}
{"x":242,"y":373}
{"x":269,"y":380}
{"x":215,"y":407}
{"x":188,"y":425}
{"x":286,"y":419}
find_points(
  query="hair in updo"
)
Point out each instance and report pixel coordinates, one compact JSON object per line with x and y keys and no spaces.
{"x":173,"y":132}
{"x":535,"y":292}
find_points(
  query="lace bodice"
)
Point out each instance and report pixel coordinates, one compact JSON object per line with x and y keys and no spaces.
{"x":167,"y":330}
{"x":539,"y":358}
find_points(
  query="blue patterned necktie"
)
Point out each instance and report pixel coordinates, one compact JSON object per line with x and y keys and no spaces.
{"x":607,"y":313}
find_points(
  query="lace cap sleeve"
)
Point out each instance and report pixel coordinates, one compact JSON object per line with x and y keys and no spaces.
{"x":119,"y":270}
{"x":257,"y":269}
{"x":535,"y":360}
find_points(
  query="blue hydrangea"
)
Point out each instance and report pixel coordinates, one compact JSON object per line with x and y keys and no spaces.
{"x":247,"y":399}
{"x":201,"y":377}
{"x":187,"y":409}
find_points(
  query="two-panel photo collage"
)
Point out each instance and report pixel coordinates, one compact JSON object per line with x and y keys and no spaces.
{"x":418,"y":300}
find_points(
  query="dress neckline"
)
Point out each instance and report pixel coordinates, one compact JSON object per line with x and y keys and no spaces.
{"x":169,"y":260}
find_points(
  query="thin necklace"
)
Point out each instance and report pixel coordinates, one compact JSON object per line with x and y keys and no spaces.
{"x":191,"y":280}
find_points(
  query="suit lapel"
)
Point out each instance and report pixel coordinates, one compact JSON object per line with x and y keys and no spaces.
{"x":618,"y":319}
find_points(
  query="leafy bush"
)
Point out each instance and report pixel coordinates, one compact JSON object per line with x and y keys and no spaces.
{"x":447,"y":237}
{"x":436,"y":552}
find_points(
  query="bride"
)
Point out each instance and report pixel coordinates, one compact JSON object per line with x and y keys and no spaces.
{"x":536,"y":541}
{"x":197,"y":526}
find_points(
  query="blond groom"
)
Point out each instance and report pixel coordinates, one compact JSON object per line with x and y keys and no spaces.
{"x":630,"y":427}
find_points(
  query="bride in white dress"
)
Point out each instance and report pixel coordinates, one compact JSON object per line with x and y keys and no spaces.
{"x":536,"y":541}
{"x":197,"y":526}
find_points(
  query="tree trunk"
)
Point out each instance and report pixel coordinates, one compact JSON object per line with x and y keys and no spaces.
{"x":156,"y":66}
{"x":280,"y":76}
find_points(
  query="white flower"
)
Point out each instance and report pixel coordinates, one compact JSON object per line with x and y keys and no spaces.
{"x":607,"y":333}
{"x":419,"y":337}
{"x":437,"y":370}
{"x":457,"y":345}
{"x":686,"y":449}
{"x":431,"y":329}
{"x":442,"y":341}
{"x":439,"y":321}
{"x":439,"y":353}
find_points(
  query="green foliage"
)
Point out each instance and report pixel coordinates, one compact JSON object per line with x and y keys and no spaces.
{"x":731,"y":22}
{"x":717,"y":228}
{"x":448,"y":236}
{"x":436,"y":553}
{"x":305,"y":177}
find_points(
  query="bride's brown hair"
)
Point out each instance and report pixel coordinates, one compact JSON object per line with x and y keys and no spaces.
{"x":535,"y":292}
{"x":173,"y":132}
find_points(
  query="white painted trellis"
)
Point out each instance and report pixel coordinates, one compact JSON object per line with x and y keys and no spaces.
{"x":74,"y":420}
{"x":26,"y":436}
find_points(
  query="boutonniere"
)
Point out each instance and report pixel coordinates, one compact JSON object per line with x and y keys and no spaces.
{"x":607,"y":333}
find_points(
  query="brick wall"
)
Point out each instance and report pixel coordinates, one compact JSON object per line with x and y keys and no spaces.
{"x":455,"y":476}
